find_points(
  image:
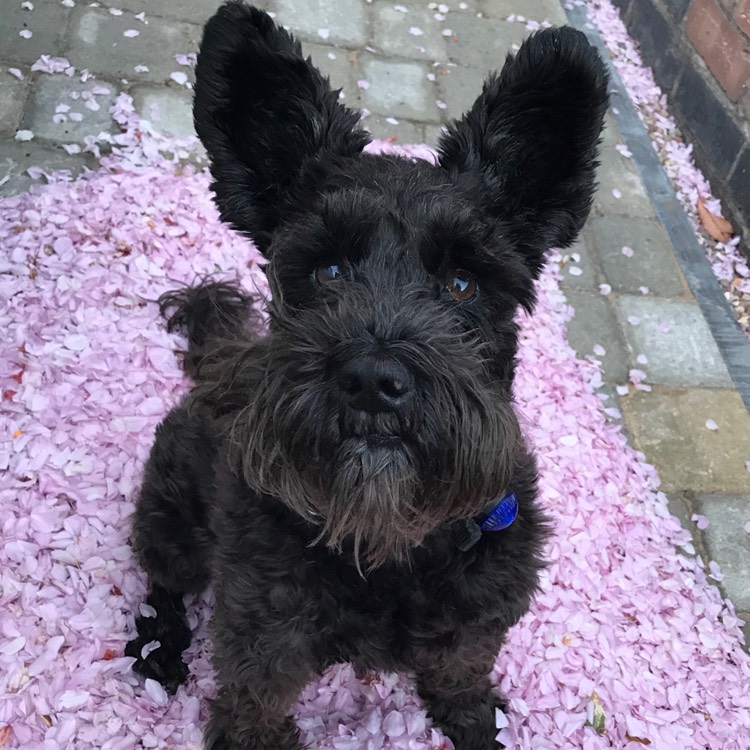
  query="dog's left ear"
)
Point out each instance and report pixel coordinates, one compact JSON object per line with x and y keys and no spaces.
{"x":527,"y":148}
{"x":262,"y":111}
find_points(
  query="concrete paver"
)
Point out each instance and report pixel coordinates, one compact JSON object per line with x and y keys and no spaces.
{"x":669,"y":425}
{"x":85,"y":109}
{"x":398,"y":89}
{"x":675,"y":339}
{"x":340,"y":22}
{"x":414,"y":34}
{"x":13,"y":95}
{"x":99,"y":42}
{"x":43,"y":39}
{"x":595,"y":324}
{"x":169,"y":110}
{"x":652,"y":260}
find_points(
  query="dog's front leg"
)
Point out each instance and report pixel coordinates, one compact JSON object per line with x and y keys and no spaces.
{"x":263,"y":661}
{"x":243,"y":718}
{"x":252,"y":711}
{"x":460,"y":697}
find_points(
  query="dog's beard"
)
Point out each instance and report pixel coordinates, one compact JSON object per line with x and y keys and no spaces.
{"x":374,"y":485}
{"x":376,"y":495}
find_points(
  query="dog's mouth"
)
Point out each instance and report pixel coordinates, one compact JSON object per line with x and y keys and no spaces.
{"x":373,"y":441}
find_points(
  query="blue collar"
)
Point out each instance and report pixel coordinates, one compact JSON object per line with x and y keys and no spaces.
{"x":498,"y":515}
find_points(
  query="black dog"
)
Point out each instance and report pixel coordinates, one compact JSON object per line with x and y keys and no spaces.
{"x":354,"y":485}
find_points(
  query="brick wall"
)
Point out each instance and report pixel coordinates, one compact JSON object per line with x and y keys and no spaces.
{"x":700,"y":53}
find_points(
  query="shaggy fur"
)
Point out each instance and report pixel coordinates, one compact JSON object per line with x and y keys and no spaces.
{"x":316,"y":476}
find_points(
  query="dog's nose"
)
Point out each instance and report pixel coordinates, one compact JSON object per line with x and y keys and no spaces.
{"x":376,"y":383}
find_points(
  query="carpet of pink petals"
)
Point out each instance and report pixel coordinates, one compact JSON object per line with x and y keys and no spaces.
{"x":727,"y":260}
{"x":624,"y":618}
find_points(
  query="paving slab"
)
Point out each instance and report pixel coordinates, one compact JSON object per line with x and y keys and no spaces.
{"x":13,"y":95}
{"x":432,"y":134}
{"x":669,"y":426}
{"x":652,"y":263}
{"x":404,"y":131}
{"x":16,"y":158}
{"x":483,"y":43}
{"x":399,"y":89}
{"x":459,"y":88}
{"x":621,"y":191}
{"x":75,"y":99}
{"x":98,"y":42}
{"x":595,"y":325}
{"x":169,"y":110}
{"x":341,"y":66}
{"x":676,"y":340}
{"x":416,"y":33}
{"x":728,"y":543}
{"x":541,"y":10}
{"x":339,"y":22}
{"x":580,"y":271}
{"x":195,"y":11}
{"x":47,"y":31}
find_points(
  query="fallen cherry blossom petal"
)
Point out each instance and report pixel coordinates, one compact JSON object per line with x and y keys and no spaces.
{"x":700,"y":521}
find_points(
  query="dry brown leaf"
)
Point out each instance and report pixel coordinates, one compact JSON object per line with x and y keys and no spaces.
{"x":718,"y":228}
{"x":642,"y":740}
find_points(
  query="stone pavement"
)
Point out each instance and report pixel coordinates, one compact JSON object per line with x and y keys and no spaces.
{"x":414,"y":65}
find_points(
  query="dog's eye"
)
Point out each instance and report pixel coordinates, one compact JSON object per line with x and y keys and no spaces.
{"x":462,"y":286}
{"x":326,"y":273}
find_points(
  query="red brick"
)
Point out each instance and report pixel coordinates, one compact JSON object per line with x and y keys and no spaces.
{"x":722,"y":47}
{"x":742,"y":16}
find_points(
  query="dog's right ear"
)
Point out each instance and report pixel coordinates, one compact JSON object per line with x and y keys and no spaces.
{"x":262,"y":111}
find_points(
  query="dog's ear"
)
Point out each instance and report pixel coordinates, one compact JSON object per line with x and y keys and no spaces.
{"x":262,"y":110}
{"x":528,"y":146}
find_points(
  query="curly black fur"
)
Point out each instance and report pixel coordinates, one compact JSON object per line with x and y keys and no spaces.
{"x":315,"y":475}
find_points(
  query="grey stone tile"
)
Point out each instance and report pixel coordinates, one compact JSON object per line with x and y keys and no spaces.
{"x":653,"y":263}
{"x":669,"y":426}
{"x":581,"y":274}
{"x":342,"y":68}
{"x":169,"y":110}
{"x":432,"y":134}
{"x":482,"y":42}
{"x":97,"y":43}
{"x":459,"y":88}
{"x":392,"y":32}
{"x":16,"y":158}
{"x":595,"y":323}
{"x":47,"y":24}
{"x":676,"y":340}
{"x":12,"y":100}
{"x":51,"y":90}
{"x":541,"y":10}
{"x":404,"y":132}
{"x":342,"y":22}
{"x":194,"y":11}
{"x":728,"y":543}
{"x":399,"y":89}
{"x":617,"y":176}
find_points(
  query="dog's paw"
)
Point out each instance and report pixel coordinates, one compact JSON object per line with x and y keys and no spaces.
{"x":163,"y":664}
